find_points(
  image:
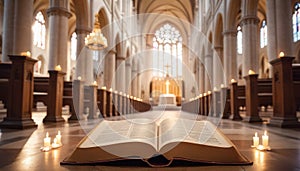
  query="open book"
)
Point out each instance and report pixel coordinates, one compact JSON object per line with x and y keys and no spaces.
{"x":157,"y":144}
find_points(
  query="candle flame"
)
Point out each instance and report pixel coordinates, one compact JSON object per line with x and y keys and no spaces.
{"x":79,"y":78}
{"x":251,"y":72}
{"x":103,"y":88}
{"x":222,"y":85}
{"x":265,"y":133}
{"x":255,"y":134}
{"x":58,"y":133}
{"x":58,"y":68}
{"x":233,"y":80}
{"x":281,"y":54}
{"x":47,"y":134}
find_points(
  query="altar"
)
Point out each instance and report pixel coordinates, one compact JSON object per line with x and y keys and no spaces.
{"x":167,"y":100}
{"x":165,"y":91}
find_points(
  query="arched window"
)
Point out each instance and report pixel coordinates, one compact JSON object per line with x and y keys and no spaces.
{"x":167,"y":43}
{"x":39,"y":31}
{"x":296,"y":22}
{"x":73,"y":47}
{"x":239,"y":40}
{"x":263,"y":34}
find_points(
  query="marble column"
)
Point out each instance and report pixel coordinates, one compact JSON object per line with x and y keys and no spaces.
{"x":249,"y":26}
{"x":202,"y":78}
{"x":120,"y":74}
{"x":134,"y":79}
{"x":58,"y":15}
{"x":217,"y":66}
{"x":81,"y":32}
{"x":280,"y":31}
{"x":109,"y":69}
{"x":17,"y":22}
{"x":209,"y":72}
{"x":128,"y":75}
{"x":230,"y":58}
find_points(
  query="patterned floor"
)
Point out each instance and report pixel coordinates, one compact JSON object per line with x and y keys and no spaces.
{"x":20,"y":149}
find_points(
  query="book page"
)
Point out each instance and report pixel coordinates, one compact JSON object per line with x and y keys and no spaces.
{"x":185,"y":130}
{"x":123,"y":131}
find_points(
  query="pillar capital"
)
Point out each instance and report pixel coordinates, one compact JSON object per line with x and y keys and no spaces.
{"x":121,"y":58}
{"x":230,"y":33}
{"x":249,"y":20}
{"x":218,"y":47}
{"x":60,"y":11}
{"x":83,"y":30}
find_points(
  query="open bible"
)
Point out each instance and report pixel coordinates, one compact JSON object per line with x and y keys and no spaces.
{"x":157,"y":144}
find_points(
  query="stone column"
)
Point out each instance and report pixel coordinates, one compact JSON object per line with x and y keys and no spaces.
{"x":120,"y":74}
{"x":217,"y":67}
{"x":81,"y":32}
{"x":17,"y":33}
{"x":58,"y":14}
{"x":201,"y":80}
{"x":249,"y":26}
{"x":109,"y":68}
{"x":134,"y":81}
{"x":128,"y":75}
{"x":280,"y":32}
{"x":230,"y":59}
{"x":209,"y":72}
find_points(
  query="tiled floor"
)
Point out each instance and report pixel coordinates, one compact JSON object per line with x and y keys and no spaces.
{"x":20,"y":149}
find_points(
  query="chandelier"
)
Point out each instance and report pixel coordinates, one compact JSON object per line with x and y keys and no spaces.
{"x":95,"y":40}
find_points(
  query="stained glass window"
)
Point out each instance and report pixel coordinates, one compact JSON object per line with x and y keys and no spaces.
{"x":263,"y":34}
{"x":296,"y":22}
{"x":73,"y":46}
{"x":167,"y":56}
{"x":39,"y":31}
{"x":239,"y":40}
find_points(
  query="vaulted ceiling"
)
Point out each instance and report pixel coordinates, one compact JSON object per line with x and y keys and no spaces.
{"x":183,"y":9}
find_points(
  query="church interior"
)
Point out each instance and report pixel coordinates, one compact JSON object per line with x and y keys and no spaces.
{"x":67,"y":65}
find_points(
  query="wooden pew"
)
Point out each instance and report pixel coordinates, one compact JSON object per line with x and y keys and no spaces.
{"x":5,"y":69}
{"x":264,"y":92}
{"x":296,"y":81}
{"x":41,"y":89}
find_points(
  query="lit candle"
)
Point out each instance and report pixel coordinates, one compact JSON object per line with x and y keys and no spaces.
{"x":121,"y":93}
{"x":209,"y":92}
{"x":255,"y":140}
{"x":79,"y":78}
{"x":103,"y":88}
{"x":58,"y":68}
{"x":251,"y":72}
{"x":222,"y":85}
{"x":204,"y":94}
{"x":215,"y":89}
{"x":281,"y":54}
{"x":233,"y":81}
{"x":110,"y":89}
{"x":26,"y":54}
{"x":200,"y":95}
{"x":265,"y":140}
{"x":95,"y":83}
{"x":47,"y":140}
{"x":58,"y":138}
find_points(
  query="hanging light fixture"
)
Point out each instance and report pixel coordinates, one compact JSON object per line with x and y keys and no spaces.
{"x":95,"y":40}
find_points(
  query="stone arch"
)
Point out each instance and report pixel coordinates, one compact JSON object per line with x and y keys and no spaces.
{"x":104,"y":22}
{"x":218,"y":38}
{"x":233,"y":15}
